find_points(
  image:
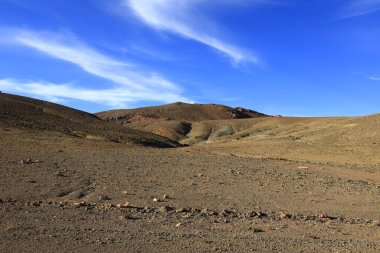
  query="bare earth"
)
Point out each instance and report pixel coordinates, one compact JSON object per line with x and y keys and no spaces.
{"x":270,"y":184}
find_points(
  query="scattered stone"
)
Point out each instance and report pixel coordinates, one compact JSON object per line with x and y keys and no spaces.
{"x":165,"y":209}
{"x":255,"y":230}
{"x":62,"y":203}
{"x":229,"y":213}
{"x":254,"y":214}
{"x":125,"y":192}
{"x":156,"y":200}
{"x":104,"y":197}
{"x":182,"y":210}
{"x":59,"y":174}
{"x":303,"y":167}
{"x":29,"y":161}
{"x":283,"y":215}
{"x":80,"y":204}
{"x":108,"y":206}
{"x":178,"y":225}
{"x":124,"y":217}
{"x":125,"y":205}
{"x":146,"y":210}
{"x":325,"y":216}
{"x":165,"y":197}
{"x":36,"y":203}
{"x":207,"y":211}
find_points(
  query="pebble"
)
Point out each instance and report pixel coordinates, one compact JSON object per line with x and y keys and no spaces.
{"x":166,"y":209}
{"x":80,"y":204}
{"x":125,"y":205}
{"x":104,"y":197}
{"x":283,"y":215}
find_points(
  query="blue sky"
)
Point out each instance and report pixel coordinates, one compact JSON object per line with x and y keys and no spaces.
{"x":288,"y":57}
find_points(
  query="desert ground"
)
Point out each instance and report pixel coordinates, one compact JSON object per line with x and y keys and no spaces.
{"x":186,"y":178}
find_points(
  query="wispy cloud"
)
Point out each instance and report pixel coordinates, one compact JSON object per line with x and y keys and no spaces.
{"x":374,"y":78}
{"x":114,"y":97}
{"x":185,"y":19}
{"x":356,"y":8}
{"x":129,"y":83}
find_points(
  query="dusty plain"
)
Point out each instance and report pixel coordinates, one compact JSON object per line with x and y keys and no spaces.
{"x":71,"y":182}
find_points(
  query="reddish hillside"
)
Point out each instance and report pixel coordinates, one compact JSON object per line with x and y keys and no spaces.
{"x":180,"y":111}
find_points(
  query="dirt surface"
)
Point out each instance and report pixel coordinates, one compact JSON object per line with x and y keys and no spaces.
{"x":68,"y":193}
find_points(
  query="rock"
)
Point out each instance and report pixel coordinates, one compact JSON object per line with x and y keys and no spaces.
{"x":283,"y":215}
{"x":255,"y":230}
{"x":36,"y":203}
{"x":165,"y":197}
{"x":125,"y":205}
{"x":165,"y":209}
{"x":62,"y":203}
{"x":80,"y":204}
{"x":30,"y":161}
{"x":104,"y":197}
{"x":229,"y":213}
{"x":146,"y":210}
{"x":59,"y":174}
{"x":183,"y":210}
{"x":108,"y":206}
{"x":324,"y":216}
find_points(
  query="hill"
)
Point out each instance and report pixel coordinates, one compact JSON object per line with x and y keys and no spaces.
{"x":175,"y":121}
{"x":33,"y":114}
{"x":181,"y":112}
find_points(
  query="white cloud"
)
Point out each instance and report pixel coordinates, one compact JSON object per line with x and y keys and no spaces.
{"x":115,"y":97}
{"x":130,"y":84}
{"x":184,"y":18}
{"x":356,"y":8}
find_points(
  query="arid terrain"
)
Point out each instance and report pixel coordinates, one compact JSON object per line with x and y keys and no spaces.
{"x":186,"y":178}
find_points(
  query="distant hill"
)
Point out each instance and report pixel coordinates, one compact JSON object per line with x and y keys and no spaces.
{"x":33,"y":114}
{"x":180,"y":111}
{"x":176,"y":120}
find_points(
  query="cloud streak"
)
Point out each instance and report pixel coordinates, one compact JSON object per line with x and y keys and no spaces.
{"x":183,"y":18}
{"x":356,"y":8}
{"x":129,"y":83}
{"x":374,"y":78}
{"x":113,"y":97}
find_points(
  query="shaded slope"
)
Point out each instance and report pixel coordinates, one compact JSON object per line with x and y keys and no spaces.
{"x":175,"y":121}
{"x":32,"y":114}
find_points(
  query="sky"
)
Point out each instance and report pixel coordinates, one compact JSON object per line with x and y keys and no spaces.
{"x":279,"y":57}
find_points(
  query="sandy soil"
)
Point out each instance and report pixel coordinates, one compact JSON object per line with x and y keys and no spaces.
{"x":68,"y":194}
{"x":71,"y":182}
